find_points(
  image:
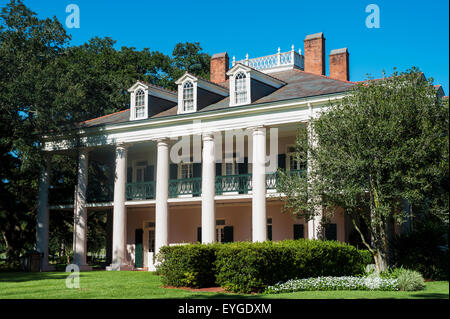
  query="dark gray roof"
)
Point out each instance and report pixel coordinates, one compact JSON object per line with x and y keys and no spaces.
{"x":300,"y":84}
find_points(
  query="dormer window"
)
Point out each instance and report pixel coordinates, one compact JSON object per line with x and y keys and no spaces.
{"x":188,"y":97}
{"x":147,"y":100}
{"x":248,"y":85}
{"x":195,"y":93}
{"x":139,"y":109}
{"x":240,"y":82}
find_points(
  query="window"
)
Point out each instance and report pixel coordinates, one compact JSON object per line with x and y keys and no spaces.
{"x":240,"y":88}
{"x":140,"y":171}
{"x":188,"y":97}
{"x":293,"y":162}
{"x":186,"y":170}
{"x":139,"y":109}
{"x":220,"y":230}
{"x":231,"y":168}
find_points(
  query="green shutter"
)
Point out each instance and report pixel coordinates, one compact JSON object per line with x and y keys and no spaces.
{"x":197,"y":169}
{"x":173,"y":171}
{"x":228,"y":234}
{"x":269,"y":232}
{"x":199,"y":234}
{"x":138,"y":254}
{"x":243,"y":167}
{"x":218,"y":180}
{"x":129,"y":175}
{"x":282,"y":161}
{"x":299,"y":231}
{"x":197,"y":172}
{"x":149,"y":174}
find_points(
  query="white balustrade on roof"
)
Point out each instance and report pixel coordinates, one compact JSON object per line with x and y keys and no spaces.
{"x":276,"y":62}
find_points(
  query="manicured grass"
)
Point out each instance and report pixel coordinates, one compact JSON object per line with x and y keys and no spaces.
{"x":143,"y":285}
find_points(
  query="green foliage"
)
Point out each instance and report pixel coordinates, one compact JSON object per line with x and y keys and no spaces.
{"x":46,"y":85}
{"x":188,"y":57}
{"x":425,"y":250}
{"x":188,"y":265}
{"x":409,"y":280}
{"x":250,"y":267}
{"x":384,"y":143}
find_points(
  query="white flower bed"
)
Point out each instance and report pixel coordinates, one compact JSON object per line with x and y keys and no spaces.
{"x":334,"y":283}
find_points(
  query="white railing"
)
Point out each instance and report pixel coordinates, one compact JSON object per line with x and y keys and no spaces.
{"x":274,"y":62}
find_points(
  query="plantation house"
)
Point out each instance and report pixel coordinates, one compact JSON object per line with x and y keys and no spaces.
{"x":219,"y":188}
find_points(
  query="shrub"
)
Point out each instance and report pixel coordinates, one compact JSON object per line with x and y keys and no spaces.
{"x":187,"y":265}
{"x":250,"y":267}
{"x":425,"y":250}
{"x":410,"y":280}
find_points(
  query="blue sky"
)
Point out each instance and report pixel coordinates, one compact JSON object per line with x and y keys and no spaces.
{"x":411,"y":33}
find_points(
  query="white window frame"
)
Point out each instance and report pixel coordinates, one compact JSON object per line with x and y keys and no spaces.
{"x":181,"y":109}
{"x":234,"y":166}
{"x":180,"y":165}
{"x":233,"y":101}
{"x":185,"y":89}
{"x":136,"y":167}
{"x":133,"y":104}
{"x":220,"y":230}
{"x":288,"y":158}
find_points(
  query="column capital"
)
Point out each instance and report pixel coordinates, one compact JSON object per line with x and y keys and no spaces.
{"x":162,"y":141}
{"x":259,"y":129}
{"x":122,"y":145}
{"x":208,"y":136}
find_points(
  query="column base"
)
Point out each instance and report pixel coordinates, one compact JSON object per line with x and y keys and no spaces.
{"x":118,"y":267}
{"x":85,"y":267}
{"x":47,"y":267}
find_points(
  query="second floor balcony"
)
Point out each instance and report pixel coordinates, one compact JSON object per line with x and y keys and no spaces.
{"x":192,"y":187}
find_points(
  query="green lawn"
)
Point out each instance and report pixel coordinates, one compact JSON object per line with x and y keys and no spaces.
{"x":138,"y":285}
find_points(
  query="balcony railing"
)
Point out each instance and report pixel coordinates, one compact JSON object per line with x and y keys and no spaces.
{"x":230,"y":184}
{"x":143,"y":190}
{"x":185,"y":186}
{"x":240,"y":184}
{"x":234,"y":183}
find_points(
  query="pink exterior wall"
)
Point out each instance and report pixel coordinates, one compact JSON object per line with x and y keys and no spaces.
{"x":185,"y":219}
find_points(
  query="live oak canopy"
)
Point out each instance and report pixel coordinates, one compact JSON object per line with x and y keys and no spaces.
{"x":384,"y":145}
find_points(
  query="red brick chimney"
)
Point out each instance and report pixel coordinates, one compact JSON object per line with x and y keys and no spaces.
{"x":314,"y":50}
{"x":339,"y":66}
{"x":219,"y":67}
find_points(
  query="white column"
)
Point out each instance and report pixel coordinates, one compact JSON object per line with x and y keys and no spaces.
{"x":162,"y":195}
{"x":80,"y":212}
{"x":42,"y":224}
{"x":208,"y":191}
{"x":314,"y":223}
{"x":119,"y":253}
{"x":259,"y":217}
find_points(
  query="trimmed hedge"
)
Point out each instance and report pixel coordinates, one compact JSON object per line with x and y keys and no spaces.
{"x":251,"y":267}
{"x":188,"y":265}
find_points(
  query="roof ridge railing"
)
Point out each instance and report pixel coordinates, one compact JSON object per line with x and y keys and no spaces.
{"x":274,"y":62}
